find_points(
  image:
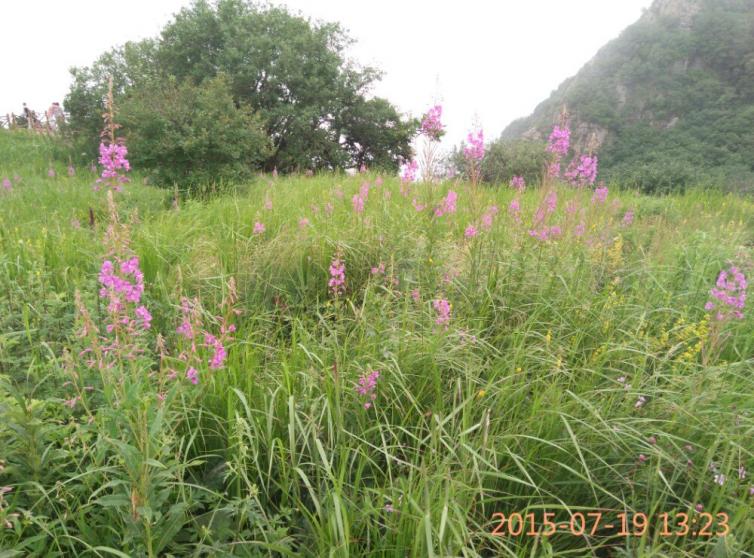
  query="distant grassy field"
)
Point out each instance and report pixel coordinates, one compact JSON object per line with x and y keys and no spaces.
{"x":574,"y":375}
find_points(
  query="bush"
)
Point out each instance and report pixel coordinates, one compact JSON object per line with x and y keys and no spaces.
{"x":504,"y":159}
{"x":192,"y":134}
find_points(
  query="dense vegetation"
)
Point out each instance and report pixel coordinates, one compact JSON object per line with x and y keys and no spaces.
{"x":503,"y":159}
{"x":674,"y":95}
{"x":273,"y":90}
{"x":515,"y":375}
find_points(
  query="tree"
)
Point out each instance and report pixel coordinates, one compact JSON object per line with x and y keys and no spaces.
{"x":192,"y":134}
{"x":291,"y":73}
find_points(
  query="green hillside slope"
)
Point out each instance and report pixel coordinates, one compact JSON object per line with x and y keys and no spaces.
{"x":671,"y":100}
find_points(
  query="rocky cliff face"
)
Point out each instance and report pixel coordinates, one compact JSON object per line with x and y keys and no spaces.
{"x":679,"y":81}
{"x":682,"y":11}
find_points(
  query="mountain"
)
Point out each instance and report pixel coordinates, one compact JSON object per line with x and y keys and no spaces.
{"x":668,"y":102}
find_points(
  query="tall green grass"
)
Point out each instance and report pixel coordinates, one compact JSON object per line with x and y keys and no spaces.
{"x":517,"y":407}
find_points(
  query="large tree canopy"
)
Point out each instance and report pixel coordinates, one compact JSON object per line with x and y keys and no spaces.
{"x":290,"y":73}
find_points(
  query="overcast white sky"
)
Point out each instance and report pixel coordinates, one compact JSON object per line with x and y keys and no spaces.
{"x":493,"y":60}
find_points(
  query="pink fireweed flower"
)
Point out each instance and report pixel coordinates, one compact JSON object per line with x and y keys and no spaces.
{"x":580,"y":229}
{"x":337,"y":281}
{"x":303,"y":223}
{"x":600,"y":194}
{"x":379,"y":270}
{"x":115,"y":284}
{"x":378,"y":181}
{"x":487,"y":219}
{"x":7,"y":184}
{"x":582,"y":171}
{"x":71,"y":170}
{"x":367,"y":387}
{"x":259,"y":228}
{"x":409,"y":170}
{"x":51,"y":173}
{"x":514,"y":210}
{"x":192,"y":375}
{"x":546,"y":208}
{"x":186,"y":329}
{"x":364,"y":190}
{"x":475,"y":150}
{"x":431,"y":124}
{"x":628,"y":218}
{"x":518,"y":183}
{"x":416,"y":295}
{"x":728,"y":295}
{"x":219,"y":353}
{"x":418,"y":206}
{"x":470,"y":231}
{"x":145,"y":316}
{"x":443,"y":309}
{"x":559,"y":140}
{"x":114,"y":165}
{"x":546,"y":232}
{"x":448,"y":204}
{"x":329,"y":208}
{"x":553,"y":169}
{"x":358,"y":203}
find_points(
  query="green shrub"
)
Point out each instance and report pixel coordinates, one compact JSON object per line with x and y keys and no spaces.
{"x":192,"y":134}
{"x":504,"y":159}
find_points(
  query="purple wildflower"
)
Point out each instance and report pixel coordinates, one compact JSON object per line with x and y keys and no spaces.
{"x":367,"y":387}
{"x":582,"y":171}
{"x":114,"y":165}
{"x":518,"y":183}
{"x":600,"y":194}
{"x":337,"y":281}
{"x":728,"y":294}
{"x":443,"y":309}
{"x":448,"y":204}
{"x":409,"y":170}
{"x":475,"y":150}
{"x":431,"y":124}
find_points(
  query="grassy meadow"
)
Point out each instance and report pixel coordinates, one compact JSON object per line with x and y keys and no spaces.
{"x":575,"y":375}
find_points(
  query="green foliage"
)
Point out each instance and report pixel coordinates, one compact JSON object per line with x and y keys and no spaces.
{"x":517,"y":406}
{"x":504,"y":159}
{"x":192,"y":134}
{"x":674,"y":95}
{"x":292,"y":74}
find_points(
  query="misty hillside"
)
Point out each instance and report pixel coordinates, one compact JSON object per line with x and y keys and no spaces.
{"x":671,"y":100}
